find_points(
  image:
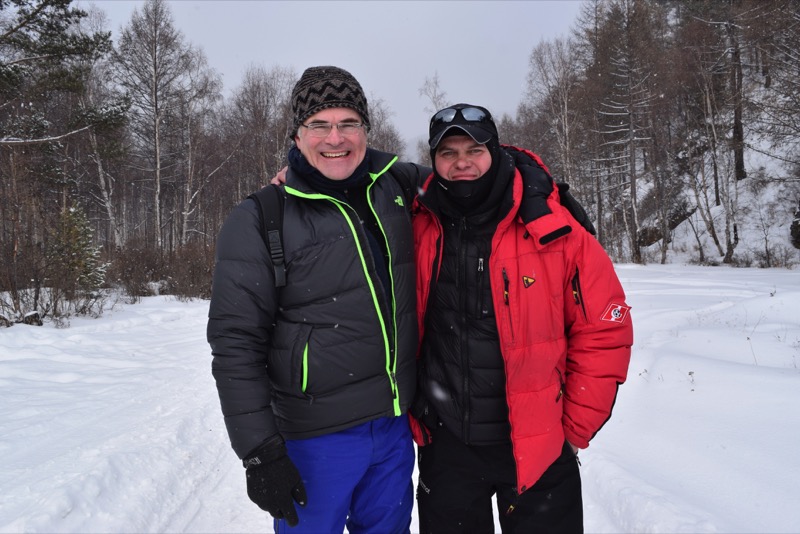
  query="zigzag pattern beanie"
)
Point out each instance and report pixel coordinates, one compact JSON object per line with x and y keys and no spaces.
{"x":327,"y":87}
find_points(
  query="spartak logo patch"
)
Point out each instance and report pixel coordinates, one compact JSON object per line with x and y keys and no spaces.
{"x":616,"y":313}
{"x":528,"y":281}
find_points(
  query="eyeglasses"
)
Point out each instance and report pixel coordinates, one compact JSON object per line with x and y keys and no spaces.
{"x":470,"y":114}
{"x":322,"y":129}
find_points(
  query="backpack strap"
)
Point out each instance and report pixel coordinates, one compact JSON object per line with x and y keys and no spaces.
{"x":270,"y":201}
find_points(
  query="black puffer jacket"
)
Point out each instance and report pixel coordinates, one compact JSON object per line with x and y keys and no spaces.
{"x":463,"y":375}
{"x":331,"y":349}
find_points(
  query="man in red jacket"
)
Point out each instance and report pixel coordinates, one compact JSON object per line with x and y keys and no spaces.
{"x":525,"y":336}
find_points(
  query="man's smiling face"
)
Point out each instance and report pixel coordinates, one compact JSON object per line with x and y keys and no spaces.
{"x":336,"y":156}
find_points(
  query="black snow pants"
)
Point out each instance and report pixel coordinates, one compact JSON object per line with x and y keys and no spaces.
{"x":457,"y":482}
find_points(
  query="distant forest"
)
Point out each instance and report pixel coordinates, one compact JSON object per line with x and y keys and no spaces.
{"x":120,"y":160}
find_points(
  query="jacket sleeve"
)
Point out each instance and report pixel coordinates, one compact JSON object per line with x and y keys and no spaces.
{"x":240,"y":320}
{"x":599,"y":339}
{"x":411,"y":178}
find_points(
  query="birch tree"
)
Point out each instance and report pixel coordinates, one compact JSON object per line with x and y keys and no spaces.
{"x":552,"y":83}
{"x":435,"y":99}
{"x":259,"y":120}
{"x":383,"y":135}
{"x":152,"y":66}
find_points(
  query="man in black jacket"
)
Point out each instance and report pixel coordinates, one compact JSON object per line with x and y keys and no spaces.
{"x":315,"y":377}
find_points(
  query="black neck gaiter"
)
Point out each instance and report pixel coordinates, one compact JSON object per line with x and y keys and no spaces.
{"x":466,"y":195}
{"x":319,"y":182}
{"x":469,"y":197}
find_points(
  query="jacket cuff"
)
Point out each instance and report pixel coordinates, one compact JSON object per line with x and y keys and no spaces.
{"x":575,"y":439}
{"x":269,"y":451}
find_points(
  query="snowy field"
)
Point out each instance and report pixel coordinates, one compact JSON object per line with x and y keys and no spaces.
{"x":113,"y":425}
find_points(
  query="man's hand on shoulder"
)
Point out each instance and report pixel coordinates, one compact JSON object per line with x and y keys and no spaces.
{"x":537,"y":186}
{"x":280,"y":177}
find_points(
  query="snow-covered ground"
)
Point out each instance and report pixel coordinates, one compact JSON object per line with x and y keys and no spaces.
{"x":113,"y":425}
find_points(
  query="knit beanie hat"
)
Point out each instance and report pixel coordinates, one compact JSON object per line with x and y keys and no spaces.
{"x":323,"y":88}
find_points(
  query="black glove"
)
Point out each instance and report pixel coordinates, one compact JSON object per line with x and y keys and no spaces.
{"x":273,"y":482}
{"x":537,"y":186}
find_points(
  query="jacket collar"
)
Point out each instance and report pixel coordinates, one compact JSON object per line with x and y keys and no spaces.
{"x":377,"y":164}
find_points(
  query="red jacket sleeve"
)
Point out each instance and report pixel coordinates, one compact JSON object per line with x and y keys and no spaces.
{"x":600,"y":335}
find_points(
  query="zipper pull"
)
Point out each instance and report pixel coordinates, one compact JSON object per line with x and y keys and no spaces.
{"x":480,"y":265}
{"x":561,"y":385}
{"x":575,"y":293}
{"x":505,"y":286}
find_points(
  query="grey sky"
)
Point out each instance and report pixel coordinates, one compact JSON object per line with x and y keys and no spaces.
{"x":479,"y":49}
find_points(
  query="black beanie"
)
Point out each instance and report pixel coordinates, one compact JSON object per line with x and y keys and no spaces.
{"x":323,"y":88}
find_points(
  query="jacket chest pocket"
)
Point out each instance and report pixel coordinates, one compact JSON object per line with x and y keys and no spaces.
{"x":532,"y":298}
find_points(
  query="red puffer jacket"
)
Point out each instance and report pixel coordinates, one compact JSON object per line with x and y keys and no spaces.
{"x":565,"y":329}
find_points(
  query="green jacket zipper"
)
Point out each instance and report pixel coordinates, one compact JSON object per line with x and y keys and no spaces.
{"x":389,"y":353}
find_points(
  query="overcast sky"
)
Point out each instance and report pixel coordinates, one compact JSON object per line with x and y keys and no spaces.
{"x":479,"y":49}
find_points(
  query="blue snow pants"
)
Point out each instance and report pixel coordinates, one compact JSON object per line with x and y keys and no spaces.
{"x":359,"y":477}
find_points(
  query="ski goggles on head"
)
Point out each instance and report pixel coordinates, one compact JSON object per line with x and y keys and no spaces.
{"x":475,"y":121}
{"x":468,"y":114}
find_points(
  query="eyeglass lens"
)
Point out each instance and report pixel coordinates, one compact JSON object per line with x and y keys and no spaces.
{"x":322,"y":129}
